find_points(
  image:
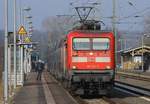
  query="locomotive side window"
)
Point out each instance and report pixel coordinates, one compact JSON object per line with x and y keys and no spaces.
{"x":81,"y":43}
{"x":101,"y":43}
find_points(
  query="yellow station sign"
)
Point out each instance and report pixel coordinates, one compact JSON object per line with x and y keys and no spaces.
{"x":27,"y":40}
{"x":22,"y":31}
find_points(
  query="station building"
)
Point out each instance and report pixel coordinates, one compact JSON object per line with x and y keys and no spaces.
{"x":133,"y":58}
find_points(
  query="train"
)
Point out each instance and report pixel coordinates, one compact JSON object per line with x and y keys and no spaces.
{"x":85,"y":59}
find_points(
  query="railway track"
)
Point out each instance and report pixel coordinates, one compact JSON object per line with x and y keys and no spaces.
{"x":96,"y":100}
{"x":134,"y":76}
{"x":140,"y":90}
{"x":83,"y":99}
{"x":100,"y":100}
{"x":133,"y":89}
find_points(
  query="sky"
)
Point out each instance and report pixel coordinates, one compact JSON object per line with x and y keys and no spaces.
{"x":42,"y":9}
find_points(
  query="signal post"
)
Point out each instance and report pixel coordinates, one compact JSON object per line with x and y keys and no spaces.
{"x":22,"y":32}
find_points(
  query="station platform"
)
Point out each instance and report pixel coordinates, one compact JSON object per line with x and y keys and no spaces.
{"x":33,"y":91}
{"x":45,"y":91}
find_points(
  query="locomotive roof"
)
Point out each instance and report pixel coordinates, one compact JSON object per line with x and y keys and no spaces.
{"x":90,"y":31}
{"x":84,"y":31}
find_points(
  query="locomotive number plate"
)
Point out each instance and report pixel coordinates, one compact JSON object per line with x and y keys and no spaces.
{"x":91,"y":59}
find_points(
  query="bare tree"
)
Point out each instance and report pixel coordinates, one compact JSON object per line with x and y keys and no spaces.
{"x":41,"y":38}
{"x":57,"y":28}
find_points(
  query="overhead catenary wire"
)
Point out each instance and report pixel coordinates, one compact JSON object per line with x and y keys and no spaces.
{"x":122,"y":20}
{"x":136,"y":13}
{"x":131,"y":4}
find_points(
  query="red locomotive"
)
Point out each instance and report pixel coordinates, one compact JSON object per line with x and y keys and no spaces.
{"x":86,"y":57}
{"x":86,"y":60}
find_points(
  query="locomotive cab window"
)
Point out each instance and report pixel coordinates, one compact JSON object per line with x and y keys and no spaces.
{"x":81,"y":43}
{"x":101,"y":43}
{"x":91,"y":43}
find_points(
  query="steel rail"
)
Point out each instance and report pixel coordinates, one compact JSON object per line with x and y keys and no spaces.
{"x":133,"y":89}
{"x":134,"y":76}
{"x":102,"y":100}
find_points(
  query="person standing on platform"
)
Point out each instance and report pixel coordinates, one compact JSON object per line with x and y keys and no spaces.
{"x":39,"y":69}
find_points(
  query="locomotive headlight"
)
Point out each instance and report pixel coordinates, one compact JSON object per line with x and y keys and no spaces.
{"x":107,"y":67}
{"x":74,"y":67}
{"x":91,"y":53}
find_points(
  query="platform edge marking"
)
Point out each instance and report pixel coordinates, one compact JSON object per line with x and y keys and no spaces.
{"x":48,"y":95}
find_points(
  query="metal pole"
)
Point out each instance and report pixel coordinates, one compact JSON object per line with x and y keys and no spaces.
{"x":114,"y":28}
{"x":22,"y":52}
{"x":25,"y":61}
{"x":9,"y":68}
{"x":15,"y":74}
{"x":6,"y":52}
{"x":142,"y":54}
{"x":28,"y":66}
{"x":20,"y":12}
{"x":22,"y":65}
{"x":64,"y":53}
{"x":23,"y":23}
{"x":121,"y":51}
{"x":30,"y":62}
{"x":114,"y":16}
{"x":20,"y":41}
{"x":125,"y":43}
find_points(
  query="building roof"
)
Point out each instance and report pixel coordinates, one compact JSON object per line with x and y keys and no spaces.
{"x":137,"y":50}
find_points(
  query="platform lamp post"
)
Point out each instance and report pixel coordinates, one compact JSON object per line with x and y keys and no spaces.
{"x":27,"y":9}
{"x":142,"y":39}
{"x":114,"y":28}
{"x":15,"y":63}
{"x":6,"y":51}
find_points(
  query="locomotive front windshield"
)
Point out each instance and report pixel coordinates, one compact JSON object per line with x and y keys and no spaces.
{"x":100,"y":43}
{"x":81,"y":44}
{"x":91,"y":43}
